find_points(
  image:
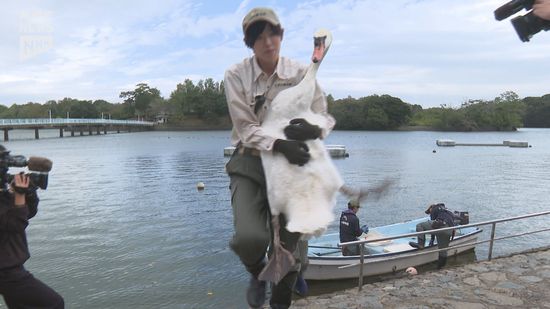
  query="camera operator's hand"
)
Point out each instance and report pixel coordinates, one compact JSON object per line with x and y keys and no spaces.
{"x":19,"y":185}
{"x":541,"y":8}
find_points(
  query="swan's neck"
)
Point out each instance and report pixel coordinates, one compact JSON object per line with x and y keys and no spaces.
{"x":312,"y":71}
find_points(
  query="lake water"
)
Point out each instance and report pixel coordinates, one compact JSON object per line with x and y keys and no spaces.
{"x":122,"y":224}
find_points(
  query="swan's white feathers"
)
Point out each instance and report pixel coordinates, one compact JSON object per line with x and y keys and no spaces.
{"x":305,"y":194}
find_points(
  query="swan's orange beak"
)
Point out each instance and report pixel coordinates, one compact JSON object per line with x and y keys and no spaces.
{"x":319,"y":49}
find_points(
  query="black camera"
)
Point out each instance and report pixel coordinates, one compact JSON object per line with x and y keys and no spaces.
{"x":527,"y":25}
{"x":38,"y":169}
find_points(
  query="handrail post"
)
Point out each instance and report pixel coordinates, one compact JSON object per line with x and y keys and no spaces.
{"x":362,"y":260}
{"x":492,"y":241}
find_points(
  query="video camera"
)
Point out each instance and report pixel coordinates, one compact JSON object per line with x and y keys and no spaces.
{"x":527,"y":25}
{"x":38,"y":170}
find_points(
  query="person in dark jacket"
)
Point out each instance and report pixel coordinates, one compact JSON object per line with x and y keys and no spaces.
{"x":19,"y":287}
{"x":350,"y":228}
{"x":440,"y":217}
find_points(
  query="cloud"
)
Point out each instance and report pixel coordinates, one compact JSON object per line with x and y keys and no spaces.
{"x":427,"y":52}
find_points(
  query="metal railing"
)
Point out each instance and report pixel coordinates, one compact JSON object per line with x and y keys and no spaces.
{"x":69,"y":121}
{"x":491,"y":241}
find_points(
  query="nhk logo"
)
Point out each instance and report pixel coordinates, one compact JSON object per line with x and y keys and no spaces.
{"x":35,"y":28}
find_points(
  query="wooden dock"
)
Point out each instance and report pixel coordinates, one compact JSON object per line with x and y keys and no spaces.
{"x":451,"y":143}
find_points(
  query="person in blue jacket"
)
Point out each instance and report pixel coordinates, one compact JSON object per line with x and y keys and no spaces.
{"x":350,"y":228}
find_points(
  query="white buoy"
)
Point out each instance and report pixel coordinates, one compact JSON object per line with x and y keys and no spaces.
{"x":411,"y":271}
{"x":200,"y":185}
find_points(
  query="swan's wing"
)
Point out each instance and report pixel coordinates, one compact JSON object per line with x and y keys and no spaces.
{"x":360,"y":194}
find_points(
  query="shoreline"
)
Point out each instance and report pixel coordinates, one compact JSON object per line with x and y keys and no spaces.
{"x":511,"y":281}
{"x":228,"y":127}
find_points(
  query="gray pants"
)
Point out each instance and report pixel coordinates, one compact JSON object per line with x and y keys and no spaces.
{"x":443,"y":237}
{"x":252,"y":223}
{"x":301,"y":256}
{"x":351,"y":250}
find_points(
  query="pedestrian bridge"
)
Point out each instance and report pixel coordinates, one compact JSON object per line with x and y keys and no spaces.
{"x":72,"y":124}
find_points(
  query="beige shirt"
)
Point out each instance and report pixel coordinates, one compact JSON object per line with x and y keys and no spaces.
{"x":246,"y":80}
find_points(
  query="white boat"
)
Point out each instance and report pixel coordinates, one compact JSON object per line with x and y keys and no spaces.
{"x":327,"y":263}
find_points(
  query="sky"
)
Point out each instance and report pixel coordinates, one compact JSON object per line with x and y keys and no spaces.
{"x":426,"y":52}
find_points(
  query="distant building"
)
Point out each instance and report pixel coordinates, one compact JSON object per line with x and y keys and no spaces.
{"x":161,"y":118}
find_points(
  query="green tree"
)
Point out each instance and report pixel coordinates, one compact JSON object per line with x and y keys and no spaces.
{"x":377,"y":119}
{"x":184,"y":97}
{"x":347,"y":113}
{"x":537,"y":112}
{"x":74,"y":108}
{"x":12,"y":112}
{"x":508,"y":111}
{"x":140,"y":98}
{"x":103,"y":108}
{"x":372,"y":113}
{"x":206,"y":100}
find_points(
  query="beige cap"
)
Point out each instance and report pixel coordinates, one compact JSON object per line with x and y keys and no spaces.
{"x":354,"y":203}
{"x":258,"y":14}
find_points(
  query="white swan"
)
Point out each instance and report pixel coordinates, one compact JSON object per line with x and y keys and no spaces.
{"x":305,"y":194}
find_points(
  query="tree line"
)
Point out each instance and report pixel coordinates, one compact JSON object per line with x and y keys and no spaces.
{"x":205,"y":101}
{"x":505,"y":113}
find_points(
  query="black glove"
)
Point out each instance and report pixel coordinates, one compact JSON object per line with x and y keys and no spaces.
{"x":301,"y":130}
{"x":296,"y":152}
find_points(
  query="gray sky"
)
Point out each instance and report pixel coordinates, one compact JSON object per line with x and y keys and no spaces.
{"x":427,"y":52}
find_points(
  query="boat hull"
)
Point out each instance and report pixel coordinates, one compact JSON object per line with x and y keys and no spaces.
{"x":333,"y":266}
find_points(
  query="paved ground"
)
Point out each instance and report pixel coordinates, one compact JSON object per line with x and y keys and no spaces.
{"x":517,"y":281}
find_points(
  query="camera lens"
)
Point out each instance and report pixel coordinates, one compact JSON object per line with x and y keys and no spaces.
{"x":509,"y":9}
{"x":528,"y":25}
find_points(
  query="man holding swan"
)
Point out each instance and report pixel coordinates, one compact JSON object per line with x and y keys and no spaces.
{"x":250,"y":86}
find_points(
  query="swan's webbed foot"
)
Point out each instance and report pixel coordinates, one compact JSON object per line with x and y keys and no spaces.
{"x":281,"y":261}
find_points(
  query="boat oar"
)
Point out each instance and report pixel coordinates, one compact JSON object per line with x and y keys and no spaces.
{"x":327,"y":253}
{"x":323,"y":247}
